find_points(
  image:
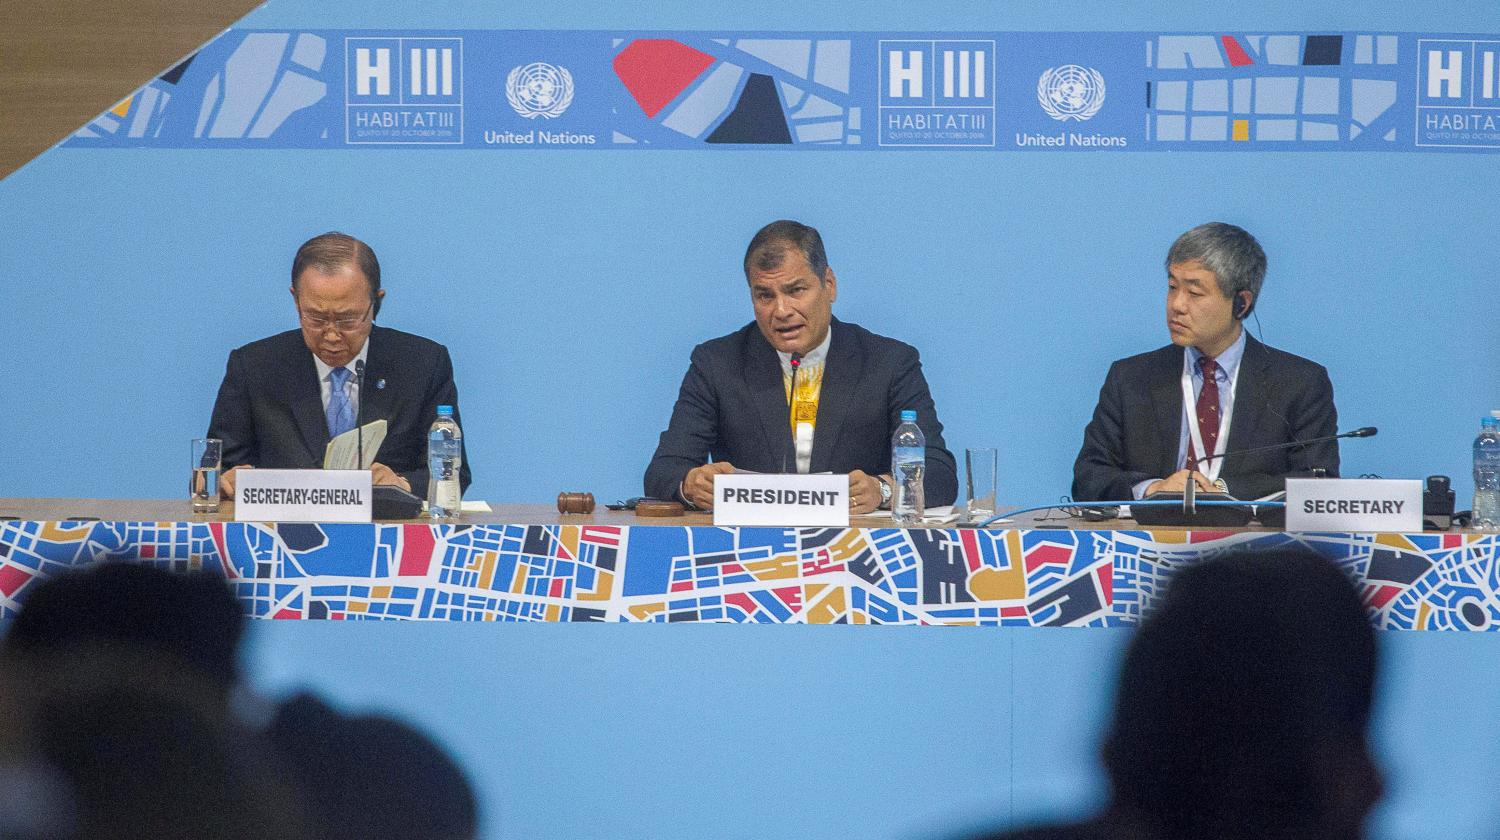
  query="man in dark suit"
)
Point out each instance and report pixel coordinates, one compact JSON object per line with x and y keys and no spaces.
{"x":284,"y":397}
{"x":738,"y":400}
{"x":1163,"y":415}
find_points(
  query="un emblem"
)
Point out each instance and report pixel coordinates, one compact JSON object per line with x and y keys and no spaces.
{"x":1070,"y":92}
{"x":539,"y":90}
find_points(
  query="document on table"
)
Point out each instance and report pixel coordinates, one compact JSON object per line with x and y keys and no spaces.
{"x":466,"y":506}
{"x":936,"y":515}
{"x":342,"y":453}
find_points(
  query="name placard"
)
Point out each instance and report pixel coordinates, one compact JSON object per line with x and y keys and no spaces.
{"x":302,"y":496}
{"x":1353,"y":504}
{"x":748,"y":499}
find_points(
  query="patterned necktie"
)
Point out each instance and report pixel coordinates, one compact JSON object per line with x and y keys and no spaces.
{"x":340,"y":413}
{"x":1208,"y":414}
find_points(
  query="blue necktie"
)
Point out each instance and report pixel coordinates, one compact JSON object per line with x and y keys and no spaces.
{"x":340,"y":413}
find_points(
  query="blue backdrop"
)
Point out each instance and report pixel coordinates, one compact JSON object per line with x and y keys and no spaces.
{"x":675,"y":732}
{"x":571,"y":285}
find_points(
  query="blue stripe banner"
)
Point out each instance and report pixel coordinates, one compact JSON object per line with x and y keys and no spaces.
{"x":1011,"y":91}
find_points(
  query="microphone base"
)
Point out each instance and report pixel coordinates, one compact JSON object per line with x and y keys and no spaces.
{"x":1214,"y":516}
{"x":387,"y":502}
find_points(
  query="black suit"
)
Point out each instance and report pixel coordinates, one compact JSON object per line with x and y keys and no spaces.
{"x":270,"y":407}
{"x":1137,"y":424}
{"x":732,"y":406}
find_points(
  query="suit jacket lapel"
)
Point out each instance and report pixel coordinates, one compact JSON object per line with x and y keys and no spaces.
{"x":1166,"y":400}
{"x":380,"y":364}
{"x":768,"y":393}
{"x":305,"y":396}
{"x":841,"y":374}
{"x":1249,"y":398}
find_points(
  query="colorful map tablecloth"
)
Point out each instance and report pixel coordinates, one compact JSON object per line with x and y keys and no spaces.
{"x":1043,"y":577}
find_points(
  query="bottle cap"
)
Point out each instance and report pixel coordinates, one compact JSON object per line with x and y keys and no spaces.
{"x":908,"y":416}
{"x":445,"y":411}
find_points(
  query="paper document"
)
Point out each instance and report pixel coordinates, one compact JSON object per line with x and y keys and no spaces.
{"x":738,"y":471}
{"x":937,"y":515}
{"x":466,"y":506}
{"x":342,"y":453}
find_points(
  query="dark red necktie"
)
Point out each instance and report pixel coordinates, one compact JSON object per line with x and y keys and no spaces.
{"x":1208,"y":414}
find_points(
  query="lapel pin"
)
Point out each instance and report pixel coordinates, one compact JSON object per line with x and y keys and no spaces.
{"x":380,"y":384}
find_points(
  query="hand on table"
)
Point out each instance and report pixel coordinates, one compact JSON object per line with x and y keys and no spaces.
{"x":226,"y":480}
{"x":698,"y":486}
{"x":864,"y":492}
{"x":1177,"y":483}
{"x":381,"y":474}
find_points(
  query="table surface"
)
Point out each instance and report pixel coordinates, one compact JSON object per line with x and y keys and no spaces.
{"x":173,"y":510}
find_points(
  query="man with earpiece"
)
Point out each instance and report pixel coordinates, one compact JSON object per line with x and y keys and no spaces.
{"x":285,"y":397}
{"x":1162,"y":416}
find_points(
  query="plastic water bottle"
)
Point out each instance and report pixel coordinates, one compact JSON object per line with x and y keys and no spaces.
{"x":908,"y":464}
{"x":445,"y":455}
{"x":1487,"y":476}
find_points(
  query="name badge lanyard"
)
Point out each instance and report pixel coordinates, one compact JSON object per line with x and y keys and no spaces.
{"x":1213,"y":467}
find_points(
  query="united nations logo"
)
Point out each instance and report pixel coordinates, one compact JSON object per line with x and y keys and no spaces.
{"x":1070,"y":92}
{"x":539,"y":90}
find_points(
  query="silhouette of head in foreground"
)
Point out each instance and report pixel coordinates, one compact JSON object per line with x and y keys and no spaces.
{"x":372,"y":777}
{"x":1243,"y":709}
{"x":191,"y":618}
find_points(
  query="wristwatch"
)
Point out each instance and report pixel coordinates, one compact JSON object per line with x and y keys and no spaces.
{"x":885,"y":492}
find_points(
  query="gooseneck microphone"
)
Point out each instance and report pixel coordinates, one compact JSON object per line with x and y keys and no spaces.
{"x":359,"y":426}
{"x":791,"y":409}
{"x":1362,"y":432}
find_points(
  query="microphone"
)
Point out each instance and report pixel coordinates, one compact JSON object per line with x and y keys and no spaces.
{"x":386,"y":502}
{"x":1362,"y":432}
{"x":1189,"y":497}
{"x":791,"y":408}
{"x":359,"y":426}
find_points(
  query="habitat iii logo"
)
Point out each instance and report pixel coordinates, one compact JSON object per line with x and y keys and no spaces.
{"x":937,"y":93}
{"x":1070,"y":92}
{"x":403,"y":90}
{"x":1458,"y":93}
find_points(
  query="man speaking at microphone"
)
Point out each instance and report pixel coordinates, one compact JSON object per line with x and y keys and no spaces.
{"x":285,"y":397}
{"x":1163,"y":415}
{"x":740,"y":407}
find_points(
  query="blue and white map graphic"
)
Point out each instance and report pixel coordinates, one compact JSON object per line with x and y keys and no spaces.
{"x":856,"y":91}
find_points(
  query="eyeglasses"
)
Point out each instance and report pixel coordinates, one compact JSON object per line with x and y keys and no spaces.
{"x":321,"y":322}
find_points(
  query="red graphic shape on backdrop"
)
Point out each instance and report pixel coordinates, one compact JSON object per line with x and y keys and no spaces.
{"x":13,"y":578}
{"x":1382,"y":596}
{"x":973,"y":557}
{"x":416,"y":550}
{"x":655,"y":70}
{"x":1106,"y":574}
{"x":216,"y":530}
{"x":1237,"y":55}
{"x":743,"y":601}
{"x":1056,"y":555}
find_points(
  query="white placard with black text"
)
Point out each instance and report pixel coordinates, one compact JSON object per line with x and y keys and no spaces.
{"x":777,"y":500}
{"x":302,"y":496}
{"x":1353,"y":504}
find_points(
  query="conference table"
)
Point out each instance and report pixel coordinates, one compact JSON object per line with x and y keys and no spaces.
{"x":529,"y":563}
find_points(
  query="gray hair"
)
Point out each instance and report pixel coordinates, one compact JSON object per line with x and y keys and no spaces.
{"x":1230,"y":252}
{"x":332,"y":251}
{"x":771,"y":243}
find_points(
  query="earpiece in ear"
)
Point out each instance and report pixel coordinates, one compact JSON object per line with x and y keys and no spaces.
{"x":1241,"y":305}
